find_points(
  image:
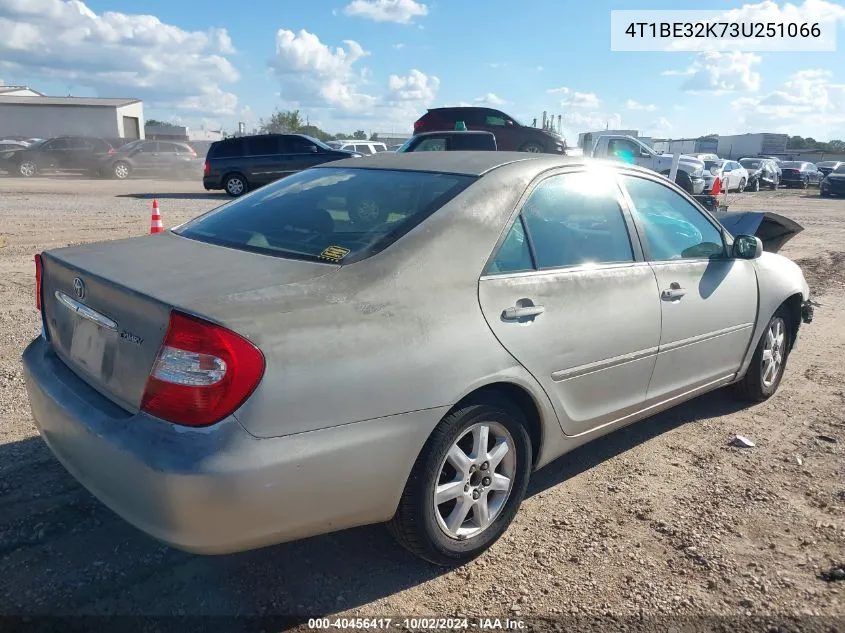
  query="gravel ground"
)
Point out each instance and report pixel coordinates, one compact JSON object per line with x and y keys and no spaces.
{"x":662,"y":519}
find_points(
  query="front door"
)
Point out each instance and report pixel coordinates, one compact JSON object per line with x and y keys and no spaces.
{"x":568,"y":295}
{"x":146,"y":158}
{"x":507,"y":132}
{"x":708,"y":300}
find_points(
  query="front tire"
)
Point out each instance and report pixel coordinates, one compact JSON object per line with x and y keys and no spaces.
{"x":756,"y":186}
{"x":764,"y":374}
{"x":28,"y":169}
{"x":466,"y":485}
{"x":805,"y":184}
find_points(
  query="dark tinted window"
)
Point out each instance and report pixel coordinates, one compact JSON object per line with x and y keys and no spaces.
{"x":77,"y":142}
{"x":150,"y":147}
{"x":576,"y":219}
{"x":262,"y":145}
{"x":431,"y":145}
{"x":56,"y":143}
{"x":328,"y":214}
{"x":171,"y":148}
{"x":363,"y":149}
{"x":299,"y":145}
{"x":230,"y":148}
{"x":673,"y":228}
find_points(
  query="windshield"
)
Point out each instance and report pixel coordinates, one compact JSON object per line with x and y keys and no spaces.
{"x":840,"y":169}
{"x":328,"y":214}
{"x":316,"y":141}
{"x":753,"y":164}
{"x":710,"y":165}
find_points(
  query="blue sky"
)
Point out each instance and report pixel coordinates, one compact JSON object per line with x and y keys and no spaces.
{"x":377,"y":64}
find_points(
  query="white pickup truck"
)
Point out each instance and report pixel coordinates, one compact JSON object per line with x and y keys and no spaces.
{"x":690,"y":174}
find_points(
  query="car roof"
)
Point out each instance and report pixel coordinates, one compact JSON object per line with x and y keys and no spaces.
{"x":465,"y":162}
{"x":456,"y":132}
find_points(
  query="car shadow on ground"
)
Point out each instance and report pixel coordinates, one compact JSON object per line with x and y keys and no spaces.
{"x":64,"y":553}
{"x":206,"y":195}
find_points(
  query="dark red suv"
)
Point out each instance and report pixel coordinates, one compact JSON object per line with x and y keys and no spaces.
{"x":510,"y":134}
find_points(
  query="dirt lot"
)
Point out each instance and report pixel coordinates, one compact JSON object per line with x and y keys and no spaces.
{"x":660,"y":518}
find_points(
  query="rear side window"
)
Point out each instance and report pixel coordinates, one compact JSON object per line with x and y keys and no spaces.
{"x":262,"y":145}
{"x":363,"y":149}
{"x":226,"y":149}
{"x":575,"y":219}
{"x":328,"y":214}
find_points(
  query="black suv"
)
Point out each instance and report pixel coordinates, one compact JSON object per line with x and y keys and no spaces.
{"x":62,"y":153}
{"x":510,"y":135}
{"x":247,"y":162}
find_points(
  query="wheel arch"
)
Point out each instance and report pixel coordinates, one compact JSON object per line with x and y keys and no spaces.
{"x":520,"y":397}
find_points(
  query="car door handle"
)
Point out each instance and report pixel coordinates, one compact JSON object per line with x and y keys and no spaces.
{"x":674,"y":292}
{"x":522,"y":312}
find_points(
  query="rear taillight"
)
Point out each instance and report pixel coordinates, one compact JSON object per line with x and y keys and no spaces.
{"x":206,"y":169}
{"x":418,"y":125}
{"x":203,"y":372}
{"x":38,"y":273}
{"x":111,"y":150}
{"x":193,"y":153}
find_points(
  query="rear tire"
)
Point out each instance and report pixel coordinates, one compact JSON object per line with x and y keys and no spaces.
{"x":235,"y":185}
{"x":761,"y":381}
{"x":120,"y":170}
{"x":741,"y":187}
{"x":805,"y":184}
{"x":756,"y":186}
{"x":476,"y":504}
{"x":532,"y":147}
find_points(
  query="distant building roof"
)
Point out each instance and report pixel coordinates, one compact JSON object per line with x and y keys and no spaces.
{"x":65,"y":101}
{"x":4,"y":89}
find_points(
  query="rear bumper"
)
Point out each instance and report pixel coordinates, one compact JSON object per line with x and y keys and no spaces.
{"x":219,"y":489}
{"x":211,"y":182}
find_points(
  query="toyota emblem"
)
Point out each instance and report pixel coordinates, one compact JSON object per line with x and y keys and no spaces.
{"x":78,"y":288}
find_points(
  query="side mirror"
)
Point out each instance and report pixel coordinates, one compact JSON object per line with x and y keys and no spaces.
{"x":747,"y":247}
{"x":313,"y":149}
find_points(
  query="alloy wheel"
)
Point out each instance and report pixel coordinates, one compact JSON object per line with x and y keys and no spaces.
{"x":27,"y":169}
{"x":235,"y":186}
{"x":774,"y":350}
{"x":121,"y":171}
{"x":475,"y":480}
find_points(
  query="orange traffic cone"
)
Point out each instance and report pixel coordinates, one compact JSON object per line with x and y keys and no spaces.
{"x":155,"y":223}
{"x":717,"y":187}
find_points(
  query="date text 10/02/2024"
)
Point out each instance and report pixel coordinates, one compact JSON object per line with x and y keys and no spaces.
{"x":433,"y":624}
{"x":723,"y":29}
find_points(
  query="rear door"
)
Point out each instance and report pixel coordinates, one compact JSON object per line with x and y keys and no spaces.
{"x":145,"y":158}
{"x":266,"y":159}
{"x":79,"y":154}
{"x":51,"y":155}
{"x":569,"y":296}
{"x":708,"y":301}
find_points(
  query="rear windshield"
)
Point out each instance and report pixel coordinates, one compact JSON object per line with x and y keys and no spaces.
{"x":328,"y":214}
{"x":747,"y":162}
{"x":792,"y":164}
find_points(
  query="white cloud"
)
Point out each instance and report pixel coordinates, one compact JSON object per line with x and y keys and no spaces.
{"x":720,"y":73}
{"x":417,"y":86}
{"x":490,"y":99}
{"x":312,"y":73}
{"x":539,"y":68}
{"x":118,"y":54}
{"x":398,"y":11}
{"x":583,"y":100}
{"x":809,"y":103}
{"x":630,"y":104}
{"x":660,"y":127}
{"x":399,"y":46}
{"x":497,"y":65}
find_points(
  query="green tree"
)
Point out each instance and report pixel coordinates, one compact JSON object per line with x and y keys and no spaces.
{"x":282,"y":122}
{"x":811,"y":143}
{"x":374,"y":136}
{"x":836,"y":145}
{"x":796,"y":142}
{"x":360,"y":135}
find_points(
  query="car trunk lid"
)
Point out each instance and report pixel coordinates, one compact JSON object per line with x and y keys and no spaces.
{"x":107,"y":305}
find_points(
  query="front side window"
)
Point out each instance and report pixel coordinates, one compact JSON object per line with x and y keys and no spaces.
{"x":622,"y":149}
{"x":327,"y":213}
{"x":673,"y":228}
{"x":575,"y":219}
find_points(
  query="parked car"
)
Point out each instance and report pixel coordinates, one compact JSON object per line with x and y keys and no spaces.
{"x":827,"y":166}
{"x":762,"y":172}
{"x":510,"y":134}
{"x":275,"y":369}
{"x":365,"y":148}
{"x":8,"y":144}
{"x":734,"y":176}
{"x":834,"y":183}
{"x":393,"y":148}
{"x":239,"y":164}
{"x":450,"y":141}
{"x":706,"y":156}
{"x":62,"y":153}
{"x":798,"y":173}
{"x":690,"y":175}
{"x":149,"y":158}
